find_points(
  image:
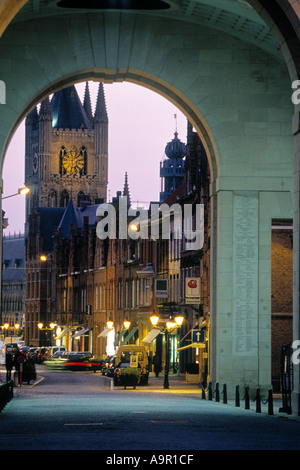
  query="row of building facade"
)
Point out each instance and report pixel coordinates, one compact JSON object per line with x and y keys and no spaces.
{"x":83,"y":281}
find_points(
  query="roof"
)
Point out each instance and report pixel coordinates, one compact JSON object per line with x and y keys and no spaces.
{"x":68,"y":111}
{"x":14,"y":258}
{"x":50,"y":218}
{"x":75,"y":216}
{"x":53,"y":218}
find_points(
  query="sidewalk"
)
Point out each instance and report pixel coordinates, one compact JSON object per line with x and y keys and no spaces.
{"x":178,"y":385}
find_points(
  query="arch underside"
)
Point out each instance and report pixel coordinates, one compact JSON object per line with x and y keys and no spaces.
{"x":225,"y":68}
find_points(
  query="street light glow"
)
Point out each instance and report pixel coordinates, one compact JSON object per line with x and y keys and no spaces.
{"x":127,"y":324}
{"x":24,"y":191}
{"x":154,"y":319}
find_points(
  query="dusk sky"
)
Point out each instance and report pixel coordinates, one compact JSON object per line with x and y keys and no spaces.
{"x":141,"y":123}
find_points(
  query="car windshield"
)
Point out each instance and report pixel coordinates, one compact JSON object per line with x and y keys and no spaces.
{"x":125,"y":356}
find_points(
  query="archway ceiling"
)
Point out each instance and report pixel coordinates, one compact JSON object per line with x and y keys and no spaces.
{"x":235,"y":17}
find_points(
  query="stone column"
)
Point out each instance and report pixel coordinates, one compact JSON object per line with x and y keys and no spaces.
{"x":241,"y":321}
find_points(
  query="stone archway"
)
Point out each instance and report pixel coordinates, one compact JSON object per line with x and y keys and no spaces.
{"x":236,"y":94}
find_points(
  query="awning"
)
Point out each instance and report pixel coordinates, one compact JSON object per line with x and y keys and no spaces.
{"x":125,"y":340}
{"x":105,"y":332}
{"x":81,"y":332}
{"x":151,"y":336}
{"x":119,"y":336}
{"x":62,"y":333}
{"x":193,"y":345}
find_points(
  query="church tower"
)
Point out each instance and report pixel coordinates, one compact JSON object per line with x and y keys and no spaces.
{"x":66,"y":151}
{"x":172,"y":168}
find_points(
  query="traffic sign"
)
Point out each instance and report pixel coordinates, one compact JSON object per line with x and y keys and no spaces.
{"x":21,"y":359}
{"x":197,"y":336}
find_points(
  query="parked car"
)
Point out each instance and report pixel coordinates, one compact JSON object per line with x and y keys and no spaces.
{"x":11,"y":348}
{"x":31,"y":354}
{"x":54,"y":349}
{"x":108,"y":366}
{"x":41,"y":355}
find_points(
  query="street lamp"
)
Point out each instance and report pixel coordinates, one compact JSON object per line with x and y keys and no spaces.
{"x":22,"y":191}
{"x":41,"y":327}
{"x":110,"y":324}
{"x":170,"y":326}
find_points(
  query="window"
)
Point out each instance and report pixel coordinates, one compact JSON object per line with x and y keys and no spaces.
{"x":64,"y":198}
{"x":52,"y":199}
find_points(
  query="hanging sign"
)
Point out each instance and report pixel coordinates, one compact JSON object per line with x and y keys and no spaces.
{"x":192,"y":290}
{"x":161,"y":288}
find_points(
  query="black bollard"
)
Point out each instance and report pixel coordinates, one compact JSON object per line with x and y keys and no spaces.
{"x":270,"y":403}
{"x":225,"y":393}
{"x":203,"y":393}
{"x":247,"y":398}
{"x":209,"y":392}
{"x":237,"y":395}
{"x":217,"y":392}
{"x":258,"y":403}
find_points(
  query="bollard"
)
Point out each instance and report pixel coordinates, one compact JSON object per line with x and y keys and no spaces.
{"x":225,"y":393}
{"x":209,"y":391}
{"x":237,"y":396}
{"x":217,"y":393}
{"x":203,"y":392}
{"x":247,"y":398}
{"x":270,"y":403}
{"x":258,"y":404}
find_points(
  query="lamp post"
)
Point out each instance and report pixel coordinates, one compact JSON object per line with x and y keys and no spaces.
{"x":167,"y":330}
{"x":51,"y":327}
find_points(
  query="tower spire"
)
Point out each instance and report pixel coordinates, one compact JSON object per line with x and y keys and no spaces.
{"x":126,"y":191}
{"x":100,"y":111}
{"x":87,"y":103}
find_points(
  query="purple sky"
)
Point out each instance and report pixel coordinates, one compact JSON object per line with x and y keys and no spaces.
{"x":141,"y":123}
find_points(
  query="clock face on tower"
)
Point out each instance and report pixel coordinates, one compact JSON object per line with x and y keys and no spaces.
{"x":73,"y":162}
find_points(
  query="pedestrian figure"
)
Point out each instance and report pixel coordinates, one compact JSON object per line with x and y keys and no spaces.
{"x":9,"y":365}
{"x":157,"y":365}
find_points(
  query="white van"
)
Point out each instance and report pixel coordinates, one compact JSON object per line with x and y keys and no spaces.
{"x":55,"y":349}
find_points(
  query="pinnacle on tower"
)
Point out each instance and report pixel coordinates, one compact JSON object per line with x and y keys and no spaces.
{"x":100,"y":111}
{"x":32,"y":116}
{"x":87,"y":103}
{"x":45,"y":110}
{"x":126,"y":189}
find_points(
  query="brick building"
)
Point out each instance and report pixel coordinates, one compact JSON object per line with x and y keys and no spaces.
{"x":282,"y":293}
